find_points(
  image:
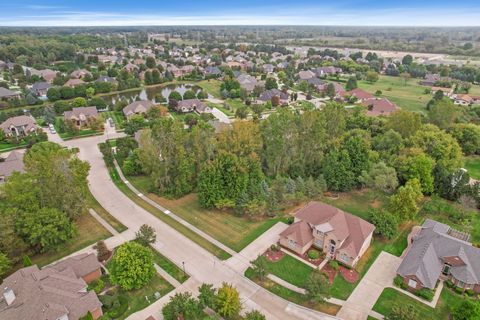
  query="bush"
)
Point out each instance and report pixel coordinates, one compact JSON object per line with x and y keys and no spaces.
{"x":398,"y":281}
{"x":274,"y":248}
{"x":334,"y":264}
{"x":458,"y":290}
{"x":290,"y":220}
{"x":313,"y":254}
{"x":470,"y":292}
{"x":425,"y":293}
{"x":96,"y":286}
{"x":449,"y":284}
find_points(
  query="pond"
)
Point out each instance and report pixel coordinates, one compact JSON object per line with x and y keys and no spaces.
{"x":151,"y":93}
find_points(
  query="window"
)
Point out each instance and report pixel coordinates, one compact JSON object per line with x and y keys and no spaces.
{"x":344,"y":258}
{"x":446,"y":269}
{"x":291,"y":243}
{"x":412,"y":283}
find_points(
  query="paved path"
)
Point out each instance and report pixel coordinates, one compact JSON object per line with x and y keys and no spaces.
{"x":378,"y":277}
{"x":201,"y":265}
{"x":164,"y":274}
{"x":432,"y":303}
{"x":104,"y":223}
{"x":222,"y":117}
{"x":285,"y":284}
{"x":171,"y":214}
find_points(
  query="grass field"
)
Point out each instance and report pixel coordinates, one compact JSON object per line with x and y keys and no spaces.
{"x":358,"y":202}
{"x":211,"y":86}
{"x":89,"y":231}
{"x":93,"y":203}
{"x":391,"y":297}
{"x":168,"y":220}
{"x":409,"y":96}
{"x":292,"y":296}
{"x":472,"y":164}
{"x":233,"y":231}
{"x":170,"y":267}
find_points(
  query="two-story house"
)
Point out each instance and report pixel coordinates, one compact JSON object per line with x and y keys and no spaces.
{"x":341,"y":235}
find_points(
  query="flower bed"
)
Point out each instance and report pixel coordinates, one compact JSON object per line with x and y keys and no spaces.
{"x":349,"y":275}
{"x":274,"y":255}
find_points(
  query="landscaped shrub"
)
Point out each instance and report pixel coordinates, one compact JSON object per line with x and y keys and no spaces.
{"x":290,"y":220}
{"x":470,"y":292}
{"x":458,"y":290}
{"x":313,"y":254}
{"x":334,"y":264}
{"x":274,"y":247}
{"x":96,"y":286}
{"x":425,"y":293}
{"x":398,"y":281}
{"x":449,"y":283}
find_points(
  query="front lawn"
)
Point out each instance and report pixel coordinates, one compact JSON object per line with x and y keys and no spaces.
{"x":391,"y":297}
{"x":292,"y":296}
{"x":170,"y":267}
{"x":97,"y":207}
{"x":89,"y":231}
{"x":211,"y":86}
{"x":289,"y":269}
{"x":117,"y":117}
{"x":6,"y":146}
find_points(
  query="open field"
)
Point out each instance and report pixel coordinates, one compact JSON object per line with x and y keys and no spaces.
{"x":211,"y":86}
{"x":409,"y":96}
{"x":233,"y":231}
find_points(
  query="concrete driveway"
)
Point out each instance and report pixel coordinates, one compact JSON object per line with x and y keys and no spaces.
{"x":378,"y":277}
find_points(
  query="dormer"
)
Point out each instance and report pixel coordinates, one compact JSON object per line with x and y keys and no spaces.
{"x":323,"y":228}
{"x":8,"y":295}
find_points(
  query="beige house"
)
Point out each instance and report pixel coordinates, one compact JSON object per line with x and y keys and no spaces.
{"x":81,"y":116}
{"x":19,"y":126}
{"x":137,"y":107}
{"x":54,"y":292}
{"x":340,"y":235}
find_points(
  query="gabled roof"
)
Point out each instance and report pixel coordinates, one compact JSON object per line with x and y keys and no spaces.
{"x":6,"y":93}
{"x":300,"y":232}
{"x":137,"y":107}
{"x":81,"y":113}
{"x":13,"y":163}
{"x":19,"y":121}
{"x":377,"y":107}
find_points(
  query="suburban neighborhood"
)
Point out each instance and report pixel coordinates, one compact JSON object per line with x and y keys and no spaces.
{"x":231,"y":170}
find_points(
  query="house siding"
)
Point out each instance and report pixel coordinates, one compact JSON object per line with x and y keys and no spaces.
{"x":97,"y":313}
{"x":92,"y":276}
{"x":412,"y":277}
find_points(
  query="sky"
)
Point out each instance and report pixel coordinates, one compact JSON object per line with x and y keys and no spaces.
{"x":239,"y":12}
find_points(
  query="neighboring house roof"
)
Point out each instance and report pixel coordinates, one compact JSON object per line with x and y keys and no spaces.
{"x":82,"y":264}
{"x":300,"y":232}
{"x":269,"y":94}
{"x":359,"y":94}
{"x":106,"y":79}
{"x":435,"y":242}
{"x":212,"y":70}
{"x":80,"y":73}
{"x":305,"y":75}
{"x":192,"y":104}
{"x":46,"y":294}
{"x":82,"y":113}
{"x":350,"y":229}
{"x":315,"y":81}
{"x":74,"y":82}
{"x":247,"y":81}
{"x":6,"y":93}
{"x":327,"y":70}
{"x":338,"y":88}
{"x":137,"y":107}
{"x":41,"y":86}
{"x":27,"y":124}
{"x":377,"y":107}
{"x":13,"y":163}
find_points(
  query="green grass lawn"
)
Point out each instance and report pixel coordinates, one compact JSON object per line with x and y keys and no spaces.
{"x":89,"y":231}
{"x":168,"y":220}
{"x":221,"y":108}
{"x":93,"y":203}
{"x":358,"y":202}
{"x":398,"y":245}
{"x":472,"y":164}
{"x":5,"y":146}
{"x":211,"y":86}
{"x":292,"y":296}
{"x":137,"y":299}
{"x":117,"y":117}
{"x":290,"y":270}
{"x":409,"y":96}
{"x":391,"y":297}
{"x":233,"y":231}
{"x":170,"y":267}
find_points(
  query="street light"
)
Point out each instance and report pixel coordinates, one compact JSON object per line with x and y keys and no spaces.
{"x":183,"y":264}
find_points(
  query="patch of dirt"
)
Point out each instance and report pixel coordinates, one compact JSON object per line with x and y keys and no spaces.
{"x":274,"y":256}
{"x":349,"y":275}
{"x":330,"y":272}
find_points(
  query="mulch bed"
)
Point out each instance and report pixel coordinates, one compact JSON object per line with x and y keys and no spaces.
{"x":305,"y":257}
{"x":274,"y":256}
{"x":349,"y":275}
{"x":330,"y":272}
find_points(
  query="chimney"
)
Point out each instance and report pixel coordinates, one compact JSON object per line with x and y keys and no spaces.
{"x":8,"y":295}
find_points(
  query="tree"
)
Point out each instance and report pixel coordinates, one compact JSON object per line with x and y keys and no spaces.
{"x":150,"y":62}
{"x":90,"y":92}
{"x":79,"y":102}
{"x":44,"y":229}
{"x":404,"y":122}
{"x":380,"y":177}
{"x":189,"y":94}
{"x":254,"y":315}
{"x":443,"y":113}
{"x":102,"y":251}
{"x":26,"y":261}
{"x":317,"y":287}
{"x":146,"y":235}
{"x":270,"y":84}
{"x":228,"y":303}
{"x":385,"y":223}
{"x":466,"y":310}
{"x":207,"y":296}
{"x":468,"y":136}
{"x":404,"y":204}
{"x":241,"y":112}
{"x":407,"y":60}
{"x":132,"y":266}
{"x":371,"y":76}
{"x":89,"y":316}
{"x":5,"y":264}
{"x":413,"y":163}
{"x":49,"y":115}
{"x":403,"y":312}
{"x":53,"y":94}
{"x":135,"y":123}
{"x":337,"y":170}
{"x":405,"y":77}
{"x":351,"y":84}
{"x":330,"y":90}
{"x":182,"y":306}
{"x":259,"y":267}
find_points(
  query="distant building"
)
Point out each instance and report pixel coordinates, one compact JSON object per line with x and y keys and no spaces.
{"x":191,"y":105}
{"x":13,"y":163}
{"x":137,"y":107}
{"x":379,"y":107}
{"x":81,"y":116}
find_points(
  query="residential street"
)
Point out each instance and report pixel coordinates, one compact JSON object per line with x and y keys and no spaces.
{"x":202,"y":266}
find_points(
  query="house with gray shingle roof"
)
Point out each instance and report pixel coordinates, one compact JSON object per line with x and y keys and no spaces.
{"x":12,"y":163}
{"x":54,"y":292}
{"x":137,"y":107}
{"x":81,"y":116}
{"x":440,"y":252}
{"x":19,"y":126}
